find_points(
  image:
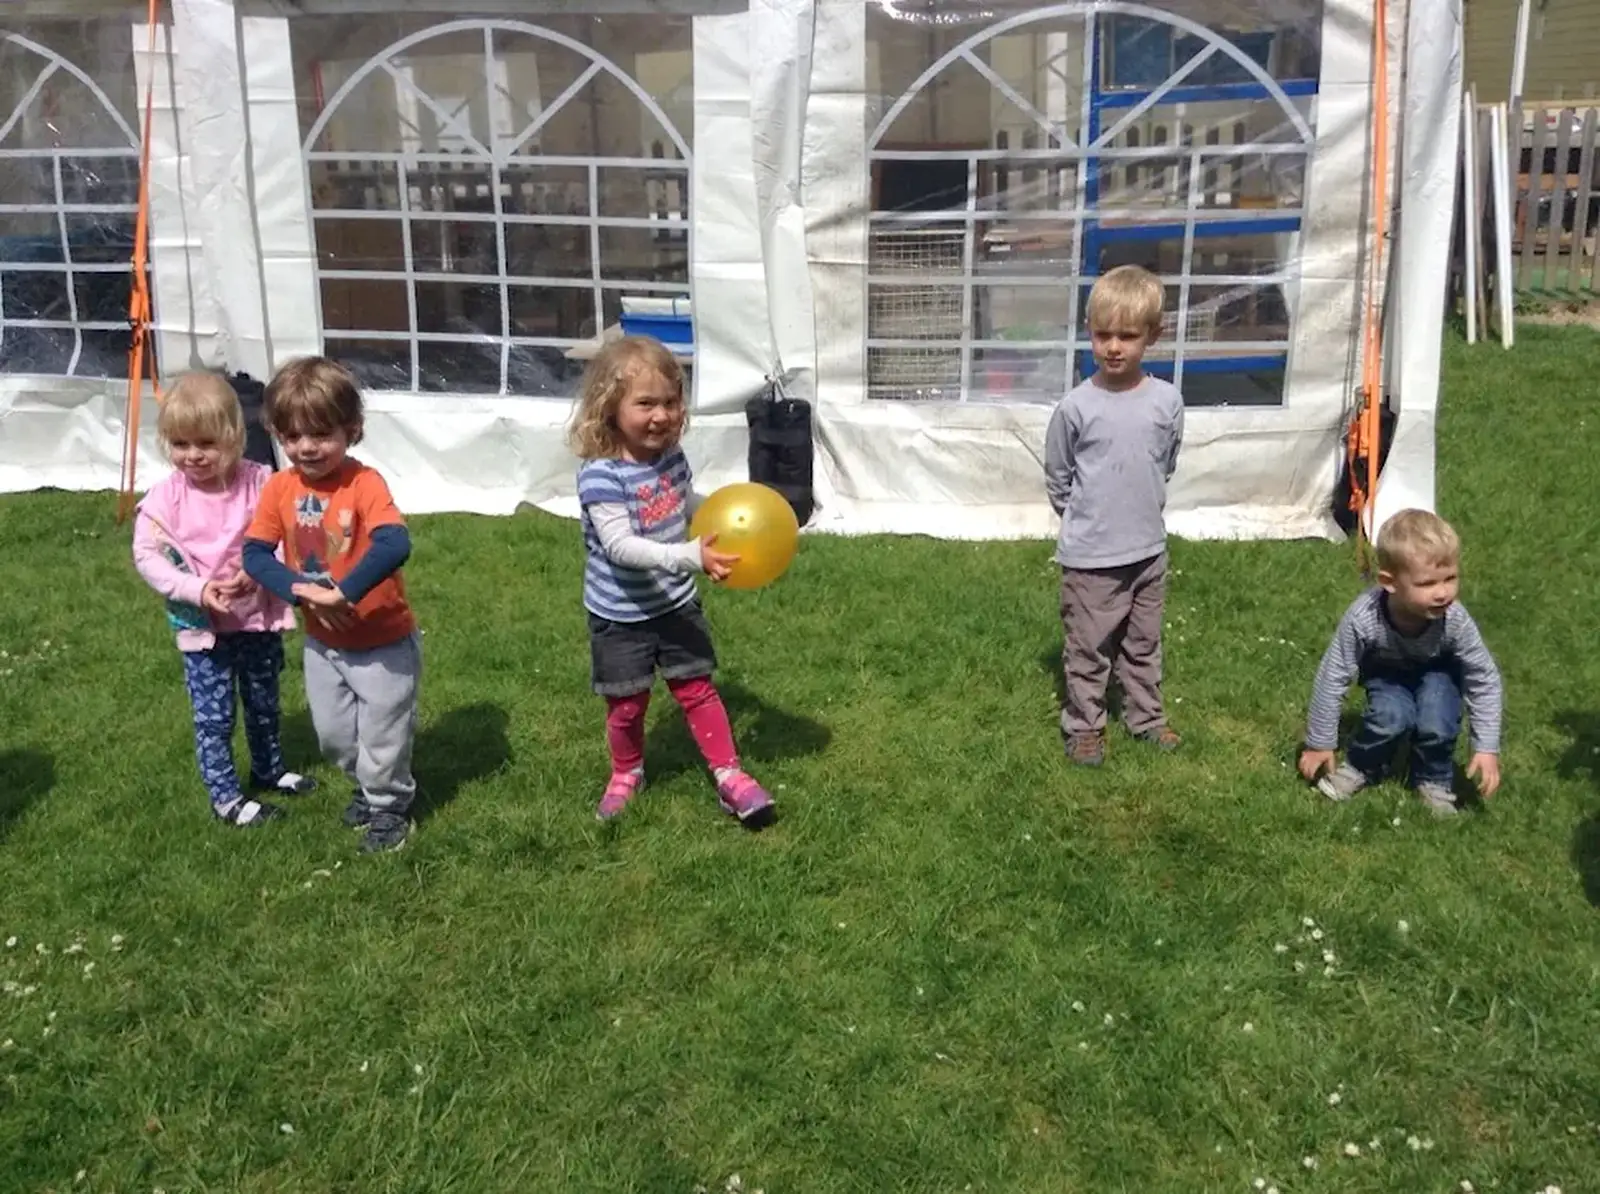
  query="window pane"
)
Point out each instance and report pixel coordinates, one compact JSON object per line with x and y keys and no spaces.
{"x":364,"y":305}
{"x":373,"y":245}
{"x":377,"y":364}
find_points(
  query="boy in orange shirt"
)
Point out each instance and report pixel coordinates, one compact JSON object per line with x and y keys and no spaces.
{"x":344,"y":542}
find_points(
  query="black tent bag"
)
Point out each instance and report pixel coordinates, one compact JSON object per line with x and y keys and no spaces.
{"x":253,"y":400}
{"x":781,"y":451}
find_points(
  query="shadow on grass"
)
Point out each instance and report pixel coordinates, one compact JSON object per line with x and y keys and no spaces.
{"x":762,"y":732}
{"x":25,"y":775}
{"x":1582,"y":759}
{"x":466,"y":744}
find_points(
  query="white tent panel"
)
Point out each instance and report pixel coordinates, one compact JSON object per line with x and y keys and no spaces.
{"x":895,"y":206}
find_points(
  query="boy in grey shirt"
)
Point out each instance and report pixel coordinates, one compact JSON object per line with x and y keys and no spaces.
{"x":1110,"y":450}
{"x":1418,"y":653}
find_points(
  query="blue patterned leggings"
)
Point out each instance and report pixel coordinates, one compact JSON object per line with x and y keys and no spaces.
{"x":254,"y":660}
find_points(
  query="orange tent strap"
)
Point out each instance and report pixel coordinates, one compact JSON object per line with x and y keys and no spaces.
{"x":1364,"y":446}
{"x":141,"y":355}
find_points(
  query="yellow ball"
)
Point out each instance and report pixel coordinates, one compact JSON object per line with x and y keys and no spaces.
{"x":754,"y":523}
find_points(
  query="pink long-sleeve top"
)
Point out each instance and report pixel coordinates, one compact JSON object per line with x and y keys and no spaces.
{"x":185,"y":536}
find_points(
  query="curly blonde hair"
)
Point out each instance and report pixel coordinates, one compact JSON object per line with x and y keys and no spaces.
{"x":203,"y":406}
{"x":593,"y":434}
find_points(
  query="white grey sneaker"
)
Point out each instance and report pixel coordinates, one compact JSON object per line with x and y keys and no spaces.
{"x":1440,"y":800}
{"x":1343,"y":782}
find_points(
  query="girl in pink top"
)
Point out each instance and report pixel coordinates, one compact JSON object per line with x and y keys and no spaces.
{"x":188,"y":538}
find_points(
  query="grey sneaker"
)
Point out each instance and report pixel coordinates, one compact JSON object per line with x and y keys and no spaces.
{"x":1439,"y":799}
{"x":1343,"y":782}
{"x":358,"y":813}
{"x":385,"y":832}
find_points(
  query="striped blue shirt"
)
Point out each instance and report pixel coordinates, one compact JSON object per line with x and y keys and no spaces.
{"x":1366,"y":636}
{"x":657,"y":496}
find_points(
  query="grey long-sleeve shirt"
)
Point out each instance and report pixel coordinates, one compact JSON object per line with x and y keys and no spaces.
{"x":1366,"y":635}
{"x":1108,"y":457}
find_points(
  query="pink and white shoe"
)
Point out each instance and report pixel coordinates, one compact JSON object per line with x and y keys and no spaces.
{"x":624,"y":786}
{"x":741,"y":797}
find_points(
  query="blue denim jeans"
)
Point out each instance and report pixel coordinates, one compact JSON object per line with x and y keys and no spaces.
{"x":1422,"y":702}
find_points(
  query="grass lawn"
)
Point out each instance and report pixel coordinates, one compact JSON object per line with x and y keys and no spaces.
{"x":954,"y":964}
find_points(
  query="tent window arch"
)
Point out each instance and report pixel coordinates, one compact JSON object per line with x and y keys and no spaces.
{"x":1030,"y":156}
{"x":69,"y":189}
{"x":485,"y":193}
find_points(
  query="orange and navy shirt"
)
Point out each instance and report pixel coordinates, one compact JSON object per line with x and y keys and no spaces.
{"x":325,"y":526}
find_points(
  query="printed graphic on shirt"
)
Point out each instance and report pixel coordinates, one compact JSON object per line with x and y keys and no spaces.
{"x":316,"y":545}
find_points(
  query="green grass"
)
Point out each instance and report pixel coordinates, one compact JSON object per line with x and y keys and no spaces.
{"x":881,"y":993}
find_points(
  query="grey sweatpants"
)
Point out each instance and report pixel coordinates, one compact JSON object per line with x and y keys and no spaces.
{"x":364,"y":706}
{"x":1113,"y":622}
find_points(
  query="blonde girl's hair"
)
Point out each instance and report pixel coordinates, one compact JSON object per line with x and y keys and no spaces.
{"x":1129,"y":296}
{"x":593,"y":434}
{"x":200,"y":406}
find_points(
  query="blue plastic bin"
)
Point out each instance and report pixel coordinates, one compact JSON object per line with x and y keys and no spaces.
{"x":669,"y":329}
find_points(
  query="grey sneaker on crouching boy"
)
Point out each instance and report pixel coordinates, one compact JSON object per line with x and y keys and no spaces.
{"x":1343,"y":782}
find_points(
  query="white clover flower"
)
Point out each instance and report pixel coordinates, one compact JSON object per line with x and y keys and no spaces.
{"x":1249,"y":1027}
{"x":1316,"y":934}
{"x":1077,"y":1005}
{"x":1327,"y":972}
{"x":1109,"y":1020}
{"x":1260,"y":1183}
{"x":11,"y":943}
{"x":1280,"y":948}
{"x":1352,"y":1149}
{"x":75,"y":948}
{"x":1395,"y":822}
{"x":1308,"y":922}
{"x":1414,"y":1143}
{"x":1329,"y":957}
{"x":1335,"y":1099}
{"x":417,"y":1069}
{"x":8,"y":1043}
{"x":1308,"y":1162}
{"x":1466,"y":1186}
{"x":286,"y":1129}
{"x":364,"y":1067}
{"x":1299,"y":967}
{"x":41,"y":948}
{"x":1403,"y":926}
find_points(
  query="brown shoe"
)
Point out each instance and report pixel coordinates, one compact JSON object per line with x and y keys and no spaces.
{"x":1162,"y":738}
{"x":1087,"y":750}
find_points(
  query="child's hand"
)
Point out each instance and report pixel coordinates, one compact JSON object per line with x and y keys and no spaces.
{"x":718,"y":564}
{"x":1485,"y":768}
{"x":1314,"y":762}
{"x":214,"y":598}
{"x":326,"y":604}
{"x":237,"y":585}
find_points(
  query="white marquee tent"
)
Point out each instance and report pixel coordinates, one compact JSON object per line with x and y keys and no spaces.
{"x":897,"y":205}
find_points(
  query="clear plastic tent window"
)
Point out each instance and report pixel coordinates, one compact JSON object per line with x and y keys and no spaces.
{"x":487,"y":194}
{"x":69,"y":165}
{"x":1021,"y":151}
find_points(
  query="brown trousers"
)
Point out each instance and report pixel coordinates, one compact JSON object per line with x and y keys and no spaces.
{"x":1113,"y":623}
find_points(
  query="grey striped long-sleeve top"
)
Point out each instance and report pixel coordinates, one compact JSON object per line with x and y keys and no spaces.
{"x":1365,"y":636}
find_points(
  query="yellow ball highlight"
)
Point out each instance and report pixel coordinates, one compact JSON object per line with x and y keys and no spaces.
{"x":754,"y":523}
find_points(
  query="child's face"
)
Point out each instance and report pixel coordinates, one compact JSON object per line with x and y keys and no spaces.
{"x":1119,"y":349}
{"x":1423,"y":590}
{"x":202,"y":460}
{"x":650,"y":416}
{"x":316,"y":454}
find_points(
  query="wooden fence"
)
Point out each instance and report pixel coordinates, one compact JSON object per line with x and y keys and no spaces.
{"x":1555,"y":192}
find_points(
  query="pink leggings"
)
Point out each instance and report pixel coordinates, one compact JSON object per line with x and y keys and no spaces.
{"x":702,"y":709}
